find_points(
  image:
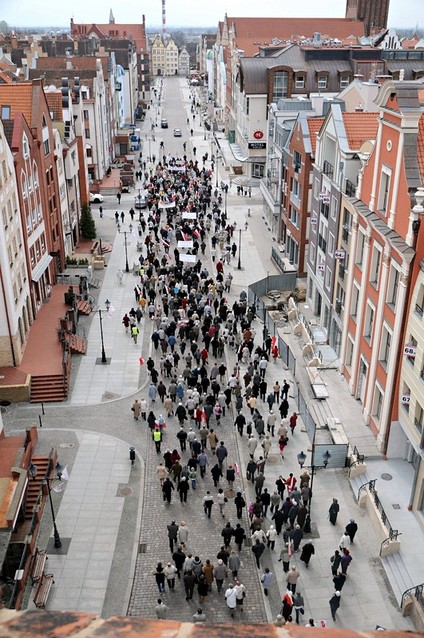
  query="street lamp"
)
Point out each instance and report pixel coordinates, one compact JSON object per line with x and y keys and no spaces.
{"x":239,"y":251}
{"x":225,"y":200}
{"x":47,"y":481}
{"x":127,"y":268}
{"x":216,"y":168}
{"x":107,"y":304}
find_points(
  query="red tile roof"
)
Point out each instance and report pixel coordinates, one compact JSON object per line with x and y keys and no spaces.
{"x":19,"y":98}
{"x":249,"y":31}
{"x":360,"y":127}
{"x":54,"y":100}
{"x":314,"y":125}
{"x":135,"y":32}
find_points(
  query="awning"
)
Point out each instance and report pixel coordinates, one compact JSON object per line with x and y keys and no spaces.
{"x":41,"y":267}
{"x":240,"y":156}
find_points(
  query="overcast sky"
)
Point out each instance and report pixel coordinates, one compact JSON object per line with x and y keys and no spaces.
{"x":403,"y":13}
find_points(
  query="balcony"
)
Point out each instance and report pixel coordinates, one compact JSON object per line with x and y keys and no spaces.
{"x":322,"y":243}
{"x":328,"y":169}
{"x":350,"y":189}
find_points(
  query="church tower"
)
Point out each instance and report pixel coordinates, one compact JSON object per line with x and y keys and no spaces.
{"x":373,"y":13}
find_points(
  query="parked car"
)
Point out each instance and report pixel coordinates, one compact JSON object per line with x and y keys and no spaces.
{"x":164,"y":123}
{"x":96,"y":198}
{"x":177,"y":132}
{"x":140,"y":201}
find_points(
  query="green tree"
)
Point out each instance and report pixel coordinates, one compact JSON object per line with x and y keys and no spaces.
{"x":87,"y":225}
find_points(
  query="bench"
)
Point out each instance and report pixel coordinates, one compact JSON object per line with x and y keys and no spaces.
{"x":95,"y":247}
{"x":43,"y":590}
{"x":37,"y":565}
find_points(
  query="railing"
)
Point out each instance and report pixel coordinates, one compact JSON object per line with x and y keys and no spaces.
{"x":345,"y":234}
{"x":393,"y":533}
{"x":350,"y":189}
{"x":416,"y":591}
{"x":369,"y":484}
{"x":328,"y":169}
{"x":322,"y":243}
{"x":387,"y":540}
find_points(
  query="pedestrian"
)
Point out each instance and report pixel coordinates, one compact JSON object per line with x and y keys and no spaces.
{"x":296,"y":537}
{"x":333,"y":511}
{"x":240,"y":503}
{"x":207,"y":570}
{"x":119,"y":277}
{"x":167,"y":488}
{"x":335,"y":562}
{"x":172,"y":534}
{"x":199,"y":616}
{"x":157,"y":438}
{"x":183,"y":533}
{"x":227,"y":534}
{"x":183,"y":488}
{"x":126,"y":322}
{"x":271,"y":535}
{"x":334,"y":604}
{"x":161,"y":610}
{"x":231,"y":599}
{"x":170,"y":571}
{"x":285,"y":390}
{"x":344,"y":541}
{"x":310,"y":623}
{"x":189,"y":581}
{"x":285,"y":557}
{"x":299,"y":606}
{"x":160,"y":578}
{"x":162,"y":473}
{"x":234,"y":562}
{"x":239,"y":536}
{"x":179,"y":558}
{"x":287,"y":606}
{"x":279,"y":621}
{"x":216,"y":474}
{"x":339,"y":580}
{"x":207,"y":503}
{"x":231,"y":475}
{"x":221,"y":499}
{"x":219,"y":573}
{"x":345,"y":561}
{"x":293,"y":422}
{"x":266,"y":579}
{"x":258,"y":549}
{"x":351,"y":529}
{"x":240,"y":590}
{"x":292,"y":578}
{"x":308,"y":550}
{"x":136,"y":409}
{"x":221,"y":454}
{"x":192,"y":475}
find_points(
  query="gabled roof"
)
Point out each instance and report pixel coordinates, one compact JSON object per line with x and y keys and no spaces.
{"x":314,"y":125}
{"x":135,"y":32}
{"x":360,"y":127}
{"x":54,"y":100}
{"x":250,"y":33}
{"x":19,"y":98}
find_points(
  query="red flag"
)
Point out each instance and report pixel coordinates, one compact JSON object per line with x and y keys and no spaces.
{"x":141,"y":360}
{"x":185,"y":237}
{"x":196,"y":233}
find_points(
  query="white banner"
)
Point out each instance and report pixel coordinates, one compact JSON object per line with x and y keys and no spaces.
{"x":185,"y":244}
{"x":188,"y":258}
{"x":166,"y":205}
{"x":189,"y":215}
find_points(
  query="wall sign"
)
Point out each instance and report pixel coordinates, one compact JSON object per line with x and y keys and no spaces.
{"x":258,"y":135}
{"x":256,"y":145}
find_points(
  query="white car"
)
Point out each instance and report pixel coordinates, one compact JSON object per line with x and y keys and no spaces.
{"x":177,"y":132}
{"x":96,"y":198}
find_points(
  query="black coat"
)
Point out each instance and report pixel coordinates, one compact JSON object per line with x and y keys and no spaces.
{"x":307,"y":551}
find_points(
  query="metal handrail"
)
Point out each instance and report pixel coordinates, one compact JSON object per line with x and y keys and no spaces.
{"x":392,"y":537}
{"x":417,"y":592}
{"x":370,"y":484}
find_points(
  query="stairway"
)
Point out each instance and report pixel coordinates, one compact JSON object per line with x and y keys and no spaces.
{"x":77,"y":345}
{"x":397,"y":574}
{"x":47,"y":388}
{"x":83,"y":307}
{"x":34,"y":485}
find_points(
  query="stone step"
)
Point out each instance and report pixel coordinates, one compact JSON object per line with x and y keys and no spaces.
{"x":78,"y":345}
{"x":48,"y":388}
{"x":84,"y":307}
{"x":397,"y":574}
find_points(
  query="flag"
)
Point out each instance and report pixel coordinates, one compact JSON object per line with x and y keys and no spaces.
{"x":165,"y":243}
{"x":65,"y":474}
{"x":141,"y":360}
{"x":196,"y":233}
{"x":185,"y":236}
{"x":236,"y":468}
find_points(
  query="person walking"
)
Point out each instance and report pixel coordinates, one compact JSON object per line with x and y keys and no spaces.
{"x":157,"y":438}
{"x":199,"y":616}
{"x":258,"y":549}
{"x":335,"y":562}
{"x":221,"y":454}
{"x":179,"y":558}
{"x":219,"y":573}
{"x":351,"y":529}
{"x":339,"y":581}
{"x":183,"y":534}
{"x":207,"y":570}
{"x":167,"y":488}
{"x":308,"y":550}
{"x":172,"y":534}
{"x":162,"y":473}
{"x":159,"y":575}
{"x":271,"y":535}
{"x":136,"y":409}
{"x":345,"y":561}
{"x":202,"y":588}
{"x":221,"y":499}
{"x":292,"y":578}
{"x":240,"y":590}
{"x":287,"y":606}
{"x":183,"y":488}
{"x":216,"y":474}
{"x":234,"y":562}
{"x":333,"y":511}
{"x":240,"y":504}
{"x":285,"y":557}
{"x":170,"y":572}
{"x":231,"y":599}
{"x":161,"y":610}
{"x":134,"y":333}
{"x":239,"y":536}
{"x":299,"y":606}
{"x":293,"y":422}
{"x":335,"y":604}
{"x":344,"y":541}
{"x":207,"y":503}
{"x":266,"y":579}
{"x":189,"y":582}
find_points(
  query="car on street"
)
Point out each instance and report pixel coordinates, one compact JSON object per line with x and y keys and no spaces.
{"x":177,"y":132}
{"x":140,"y":201}
{"x":164,"y":123}
{"x":96,"y":198}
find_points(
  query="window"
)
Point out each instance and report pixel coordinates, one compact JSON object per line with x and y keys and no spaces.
{"x":46,"y":147}
{"x":419,"y":417}
{"x":247,"y":105}
{"x":24,"y":186}
{"x":85,"y":113}
{"x":5,"y":112}
{"x":294,"y":216}
{"x":375,"y":265}
{"x":87,"y":133}
{"x":258,"y":170}
{"x":300,"y":82}
{"x":316,"y":188}
{"x":349,"y":351}
{"x":411,"y":349}
{"x":344,"y":81}
{"x":377,"y":403}
{"x":369,"y":322}
{"x":327,"y":281}
{"x":383,"y":196}
{"x":393,"y":287}
{"x":280,"y":88}
{"x":419,"y":305}
{"x":355,"y":300}
{"x":4,"y":216}
{"x":405,"y":397}
{"x":330,"y":244}
{"x":386,"y":340}
{"x":322,"y":82}
{"x":334,"y":207}
{"x":360,"y":249}
{"x":25,"y":147}
{"x":296,"y":188}
{"x":297,"y":161}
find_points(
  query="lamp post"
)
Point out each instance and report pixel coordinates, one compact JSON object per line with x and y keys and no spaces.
{"x":239,"y":251}
{"x":225,"y":200}
{"x":127,"y":268}
{"x":107,"y":304}
{"x":216,"y":168}
{"x":301,"y":458}
{"x":47,"y":481}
